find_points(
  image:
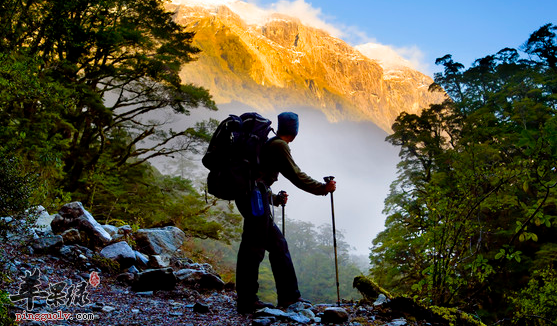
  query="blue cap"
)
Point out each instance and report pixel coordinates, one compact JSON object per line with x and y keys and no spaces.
{"x":288,"y":123}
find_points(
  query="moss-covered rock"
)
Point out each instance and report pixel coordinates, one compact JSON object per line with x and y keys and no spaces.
{"x":369,"y":289}
{"x":455,"y":316}
{"x":408,"y":308}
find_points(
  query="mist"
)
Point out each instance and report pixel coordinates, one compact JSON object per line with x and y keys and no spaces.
{"x":355,"y":153}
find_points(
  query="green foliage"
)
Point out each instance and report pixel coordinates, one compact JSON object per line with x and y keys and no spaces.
{"x":5,"y":302}
{"x":86,"y":90}
{"x":536,"y":304}
{"x":369,"y":289}
{"x":142,"y":197}
{"x":82,"y":79}
{"x":474,"y":204}
{"x":456,"y":317}
{"x":16,"y":196}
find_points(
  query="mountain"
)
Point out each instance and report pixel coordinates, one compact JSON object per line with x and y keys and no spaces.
{"x":280,"y":63}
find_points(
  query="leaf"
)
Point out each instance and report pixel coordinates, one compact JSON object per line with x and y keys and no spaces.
{"x":525,"y":186}
{"x":534,"y":237}
{"x":521,"y":238}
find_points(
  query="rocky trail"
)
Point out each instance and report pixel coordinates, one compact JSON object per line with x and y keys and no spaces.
{"x":73,"y":271}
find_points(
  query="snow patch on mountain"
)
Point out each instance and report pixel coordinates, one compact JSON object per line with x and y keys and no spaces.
{"x":252,"y":14}
{"x":388,"y":58}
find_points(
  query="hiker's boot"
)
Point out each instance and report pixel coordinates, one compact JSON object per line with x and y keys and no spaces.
{"x":250,"y":308}
{"x":288,"y":303}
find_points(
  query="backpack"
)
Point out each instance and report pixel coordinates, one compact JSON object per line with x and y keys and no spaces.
{"x":233,"y":155}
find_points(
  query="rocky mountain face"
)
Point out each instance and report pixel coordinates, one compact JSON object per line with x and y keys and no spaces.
{"x":283,"y":64}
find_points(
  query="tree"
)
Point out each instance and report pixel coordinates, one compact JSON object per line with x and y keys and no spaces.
{"x":119,"y":60}
{"x":474,"y":202}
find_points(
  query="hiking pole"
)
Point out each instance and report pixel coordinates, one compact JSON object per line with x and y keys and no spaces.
{"x":282,"y":193}
{"x":327,"y":179}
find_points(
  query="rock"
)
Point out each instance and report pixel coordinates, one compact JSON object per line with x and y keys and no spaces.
{"x":200,"y":279}
{"x":183,"y":274}
{"x":291,"y":316}
{"x":111,"y":229}
{"x":126,"y":278}
{"x":159,"y":261}
{"x":71,"y":236}
{"x":262,"y":322}
{"x":397,"y":322}
{"x":307,"y":313}
{"x":154,"y":279}
{"x":381,"y":299}
{"x":16,"y":229}
{"x":86,"y":251}
{"x":97,"y":306}
{"x":271,"y":312}
{"x":201,"y":308}
{"x":49,"y":243}
{"x":74,"y":215}
{"x":158,"y":241}
{"x":299,"y":318}
{"x":298,"y":306}
{"x":108,"y":309}
{"x":369,"y":288}
{"x":334,"y":315}
{"x":141,"y":259}
{"x":125,"y":230}
{"x":42,"y":223}
{"x":120,"y":252}
{"x":133,"y":270}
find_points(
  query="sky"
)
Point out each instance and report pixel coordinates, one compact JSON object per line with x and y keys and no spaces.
{"x":422,"y":31}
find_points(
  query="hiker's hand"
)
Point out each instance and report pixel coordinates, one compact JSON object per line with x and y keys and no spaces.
{"x":282,"y":198}
{"x":331,"y":186}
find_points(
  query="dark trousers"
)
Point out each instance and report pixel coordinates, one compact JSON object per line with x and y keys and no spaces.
{"x":262,"y":234}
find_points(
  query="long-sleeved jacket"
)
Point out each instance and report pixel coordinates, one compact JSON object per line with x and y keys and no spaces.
{"x":276,"y":158}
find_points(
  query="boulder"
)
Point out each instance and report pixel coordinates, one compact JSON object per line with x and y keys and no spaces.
{"x":74,"y":215}
{"x":159,"y":261}
{"x":42,"y":223}
{"x":75,"y":253}
{"x":49,"y":243}
{"x":200,"y":279}
{"x":126,"y":278}
{"x":334,"y":315}
{"x":111,"y":229}
{"x":158,"y":241}
{"x":154,"y":279}
{"x":120,"y":252}
{"x":71,"y":236}
{"x":125,"y":230}
{"x":141,"y":259}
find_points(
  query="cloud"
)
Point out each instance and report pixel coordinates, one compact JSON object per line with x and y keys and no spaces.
{"x":393,"y":57}
{"x":307,"y":14}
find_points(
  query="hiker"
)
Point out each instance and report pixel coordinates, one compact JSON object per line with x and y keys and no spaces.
{"x":260,"y":233}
